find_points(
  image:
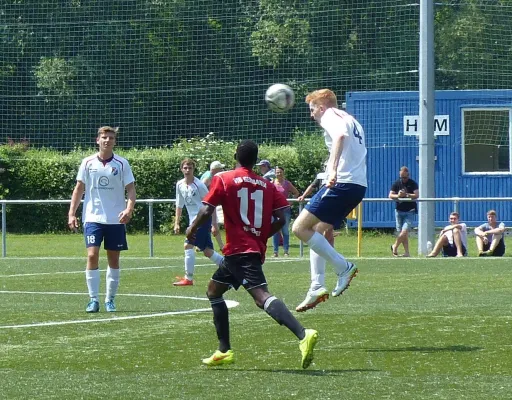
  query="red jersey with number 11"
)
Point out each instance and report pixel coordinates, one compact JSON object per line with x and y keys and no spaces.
{"x":248,"y":201}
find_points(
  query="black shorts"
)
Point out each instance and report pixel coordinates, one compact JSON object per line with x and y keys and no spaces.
{"x":241,"y":270}
{"x":451,"y":251}
{"x":499,"y":251}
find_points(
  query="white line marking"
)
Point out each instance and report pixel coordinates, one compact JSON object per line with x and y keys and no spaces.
{"x":124,"y":269}
{"x":229,"y":303}
{"x":101,"y":270}
{"x":7,"y":259}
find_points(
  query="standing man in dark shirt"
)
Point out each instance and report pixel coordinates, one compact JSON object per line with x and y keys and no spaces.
{"x":404,"y":188}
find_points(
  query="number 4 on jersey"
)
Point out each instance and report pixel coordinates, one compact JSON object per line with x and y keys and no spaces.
{"x":356,"y":134}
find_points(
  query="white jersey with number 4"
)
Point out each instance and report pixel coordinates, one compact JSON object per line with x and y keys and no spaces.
{"x":352,"y":164}
{"x":190,"y":196}
{"x":105,"y":183}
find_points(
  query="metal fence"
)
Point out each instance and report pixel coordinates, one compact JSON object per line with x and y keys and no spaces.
{"x":150,"y":202}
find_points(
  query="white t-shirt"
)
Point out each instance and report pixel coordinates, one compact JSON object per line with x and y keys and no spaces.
{"x":105,"y":183}
{"x":190,"y":196}
{"x":352,"y":164}
{"x":322,"y":177}
{"x":463,"y":235}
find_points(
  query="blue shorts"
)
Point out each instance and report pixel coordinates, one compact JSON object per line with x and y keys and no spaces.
{"x":203,"y":238}
{"x":404,"y":220}
{"x":451,"y":251}
{"x":114,"y":235}
{"x":332,"y":205}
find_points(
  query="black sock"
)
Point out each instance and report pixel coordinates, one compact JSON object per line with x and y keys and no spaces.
{"x":221,"y":322}
{"x":277,"y":310}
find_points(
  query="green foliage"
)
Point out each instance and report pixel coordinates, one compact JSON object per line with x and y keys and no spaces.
{"x":278,"y":32}
{"x":50,"y":174}
{"x":312,"y":154}
{"x":465,"y":55}
{"x":54,"y":76}
{"x":156,"y":172}
{"x":205,"y":150}
{"x":165,"y":70}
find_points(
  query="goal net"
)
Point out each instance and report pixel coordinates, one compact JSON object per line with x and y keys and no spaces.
{"x":167,"y":70}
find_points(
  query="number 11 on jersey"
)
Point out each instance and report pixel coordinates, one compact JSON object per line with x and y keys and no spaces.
{"x":257,"y":197}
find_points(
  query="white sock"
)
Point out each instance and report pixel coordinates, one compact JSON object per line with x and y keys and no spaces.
{"x":92,"y":277}
{"x":190,"y":262}
{"x":317,"y":265}
{"x":216,"y":258}
{"x":112,"y":283}
{"x":319,"y":244}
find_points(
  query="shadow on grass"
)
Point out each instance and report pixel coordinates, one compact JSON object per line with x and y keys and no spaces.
{"x":309,"y":372}
{"x":458,"y":348}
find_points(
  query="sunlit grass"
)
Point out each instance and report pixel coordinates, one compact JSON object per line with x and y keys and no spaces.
{"x":406,"y":329}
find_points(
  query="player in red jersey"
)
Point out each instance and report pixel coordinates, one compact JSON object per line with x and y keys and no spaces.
{"x":249,"y":202}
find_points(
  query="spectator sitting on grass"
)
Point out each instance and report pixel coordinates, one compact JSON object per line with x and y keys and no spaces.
{"x":490,"y":237}
{"x":452,"y":240}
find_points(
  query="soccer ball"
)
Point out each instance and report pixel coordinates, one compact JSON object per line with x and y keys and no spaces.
{"x":280,"y":97}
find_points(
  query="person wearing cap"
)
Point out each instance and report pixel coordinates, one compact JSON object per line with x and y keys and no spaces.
{"x":215,"y":167}
{"x":266,"y":170}
{"x":206,"y":178}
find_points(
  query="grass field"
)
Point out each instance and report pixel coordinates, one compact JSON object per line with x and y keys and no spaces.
{"x":406,"y":329}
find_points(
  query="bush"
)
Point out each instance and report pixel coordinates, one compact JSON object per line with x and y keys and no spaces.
{"x":50,"y":174}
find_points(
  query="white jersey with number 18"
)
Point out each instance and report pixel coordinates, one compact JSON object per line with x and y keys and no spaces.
{"x":105,"y":182}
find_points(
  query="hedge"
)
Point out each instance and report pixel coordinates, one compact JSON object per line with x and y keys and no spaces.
{"x":49,"y":174}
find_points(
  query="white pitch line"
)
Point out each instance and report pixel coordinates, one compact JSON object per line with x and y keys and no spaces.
{"x":229,"y":304}
{"x":14,"y":258}
{"x":124,"y":269}
{"x":9,"y":258}
{"x":101,"y":270}
{"x":85,"y":258}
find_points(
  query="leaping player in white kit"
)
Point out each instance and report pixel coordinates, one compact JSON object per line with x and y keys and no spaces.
{"x":344,"y":189}
{"x":104,"y":177}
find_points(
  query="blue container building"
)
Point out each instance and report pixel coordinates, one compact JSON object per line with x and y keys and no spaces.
{"x":472,"y":148}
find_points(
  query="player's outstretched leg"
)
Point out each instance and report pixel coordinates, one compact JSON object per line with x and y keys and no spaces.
{"x":280,"y":313}
{"x":345,"y":270}
{"x":307,"y":346}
